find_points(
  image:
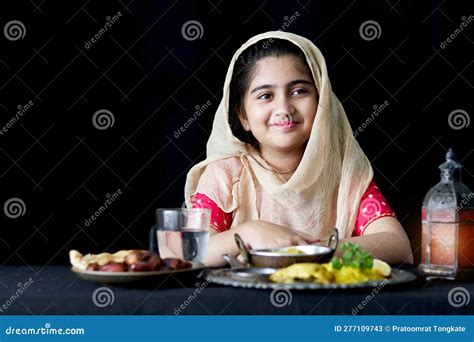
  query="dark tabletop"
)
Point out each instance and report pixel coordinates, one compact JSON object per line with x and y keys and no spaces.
{"x":54,"y":290}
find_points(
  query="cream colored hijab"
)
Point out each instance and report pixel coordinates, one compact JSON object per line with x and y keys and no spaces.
{"x":326,"y":188}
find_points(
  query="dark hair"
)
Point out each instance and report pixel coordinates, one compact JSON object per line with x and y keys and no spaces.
{"x":243,"y":69}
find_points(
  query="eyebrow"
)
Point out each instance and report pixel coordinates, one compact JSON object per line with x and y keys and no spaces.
{"x":289,"y":84}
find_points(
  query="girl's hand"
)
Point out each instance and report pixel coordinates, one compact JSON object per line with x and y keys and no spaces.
{"x":260,"y":234}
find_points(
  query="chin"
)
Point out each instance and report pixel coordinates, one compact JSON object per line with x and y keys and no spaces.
{"x":287,"y":146}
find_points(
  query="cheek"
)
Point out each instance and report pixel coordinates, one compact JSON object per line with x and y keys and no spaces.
{"x":310,"y":109}
{"x":257,"y":115}
{"x":309,"y":114}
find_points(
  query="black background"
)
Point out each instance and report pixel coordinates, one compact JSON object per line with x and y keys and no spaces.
{"x":151,"y":78}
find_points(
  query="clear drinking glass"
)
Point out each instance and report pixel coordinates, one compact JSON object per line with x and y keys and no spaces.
{"x":183,"y":233}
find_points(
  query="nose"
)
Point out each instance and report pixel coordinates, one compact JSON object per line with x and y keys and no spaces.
{"x":283,"y":106}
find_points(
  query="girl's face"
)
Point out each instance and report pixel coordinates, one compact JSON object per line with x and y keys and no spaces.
{"x":280,"y":104}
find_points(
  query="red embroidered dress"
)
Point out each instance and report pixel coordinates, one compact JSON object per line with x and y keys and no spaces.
{"x":372,"y":207}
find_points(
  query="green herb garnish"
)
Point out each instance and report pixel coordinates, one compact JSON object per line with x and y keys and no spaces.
{"x":353,"y":256}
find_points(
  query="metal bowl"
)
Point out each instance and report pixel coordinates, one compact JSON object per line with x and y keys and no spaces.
{"x":278,"y":257}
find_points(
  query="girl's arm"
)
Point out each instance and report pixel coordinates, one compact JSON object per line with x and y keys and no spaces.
{"x":385,"y":239}
{"x":222,"y":243}
{"x":257,"y":234}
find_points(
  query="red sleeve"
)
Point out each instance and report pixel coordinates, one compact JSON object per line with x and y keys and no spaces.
{"x":372,"y":207}
{"x":220,"y":220}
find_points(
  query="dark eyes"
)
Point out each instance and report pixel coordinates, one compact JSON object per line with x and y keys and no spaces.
{"x":265,"y":96}
{"x":294,"y":92}
{"x":300,"y":91}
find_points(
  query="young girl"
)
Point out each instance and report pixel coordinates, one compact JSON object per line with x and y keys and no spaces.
{"x":283,"y":167}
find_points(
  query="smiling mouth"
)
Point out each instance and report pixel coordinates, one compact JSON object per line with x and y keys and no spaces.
{"x":288,"y":124}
